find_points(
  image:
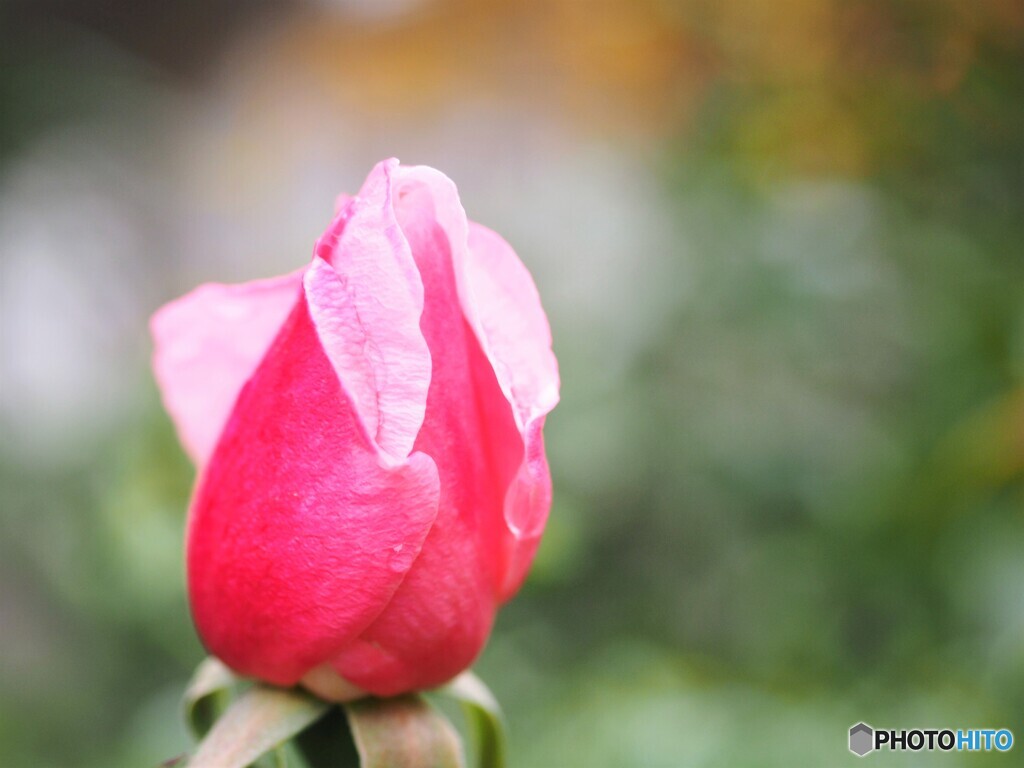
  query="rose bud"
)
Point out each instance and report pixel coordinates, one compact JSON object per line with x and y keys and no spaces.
{"x":368,"y":433}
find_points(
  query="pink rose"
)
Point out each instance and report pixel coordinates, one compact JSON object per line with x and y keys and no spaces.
{"x":368,"y":431}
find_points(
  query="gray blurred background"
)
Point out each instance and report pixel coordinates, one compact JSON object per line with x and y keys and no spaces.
{"x":780,"y":247}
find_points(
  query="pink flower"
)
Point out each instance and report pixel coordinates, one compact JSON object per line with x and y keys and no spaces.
{"x":368,"y":431}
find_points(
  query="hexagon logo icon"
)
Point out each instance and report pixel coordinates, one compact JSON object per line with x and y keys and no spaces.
{"x":862,"y":739}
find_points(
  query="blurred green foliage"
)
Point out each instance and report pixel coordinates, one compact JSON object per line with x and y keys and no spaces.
{"x":797,"y":506}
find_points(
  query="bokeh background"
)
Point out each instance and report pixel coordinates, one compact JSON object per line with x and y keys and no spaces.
{"x":780,"y":244}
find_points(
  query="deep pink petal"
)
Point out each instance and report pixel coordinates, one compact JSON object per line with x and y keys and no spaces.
{"x":207,"y":344}
{"x":367,"y":311}
{"x":514,"y":331}
{"x":435,"y":626}
{"x":300,"y":533}
{"x":494,"y":380}
{"x":501,"y":305}
{"x":526,"y":509}
{"x":440,"y":617}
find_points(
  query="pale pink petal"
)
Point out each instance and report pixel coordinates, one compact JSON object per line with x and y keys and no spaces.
{"x":367,"y":311}
{"x":341,"y":202}
{"x":506,"y":314}
{"x":207,"y":344}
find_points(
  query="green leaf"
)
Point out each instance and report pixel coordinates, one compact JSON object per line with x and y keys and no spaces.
{"x":207,"y":695}
{"x":256,"y":722}
{"x":405,"y":732}
{"x":484,"y":717}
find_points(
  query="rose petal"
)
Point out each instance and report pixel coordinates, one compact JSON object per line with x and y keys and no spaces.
{"x":504,"y":309}
{"x":439,"y":618}
{"x":527,"y":503}
{"x":207,"y":344}
{"x":514,"y":332}
{"x":368,"y":314}
{"x":501,"y":304}
{"x":299,"y":534}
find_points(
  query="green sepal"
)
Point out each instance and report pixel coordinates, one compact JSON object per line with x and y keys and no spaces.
{"x":259,"y":720}
{"x":404,"y":732}
{"x":207,"y":695}
{"x":483,"y":716}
